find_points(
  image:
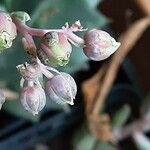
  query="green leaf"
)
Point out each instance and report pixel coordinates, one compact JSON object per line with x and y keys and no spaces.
{"x":83,"y":140}
{"x":3,"y":6}
{"x":142,"y":142}
{"x":23,"y":5}
{"x":7,"y":4}
{"x":54,"y":13}
{"x":121,"y":116}
{"x":93,"y":3}
{"x":21,"y":15}
{"x":104,"y":146}
{"x":15,"y":108}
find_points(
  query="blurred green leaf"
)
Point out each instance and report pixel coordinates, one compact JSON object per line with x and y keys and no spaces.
{"x":54,"y":14}
{"x":23,"y":5}
{"x":83,"y":140}
{"x":15,"y":108}
{"x":142,"y":142}
{"x":121,"y":116}
{"x":104,"y":146}
{"x":8,"y":4}
{"x":2,"y":7}
{"x":93,"y":3}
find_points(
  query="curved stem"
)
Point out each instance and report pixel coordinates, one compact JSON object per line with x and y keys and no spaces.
{"x":71,"y":36}
{"x":31,"y":48}
{"x":27,"y":40}
{"x":74,"y":38}
{"x":47,"y":74}
{"x":45,"y":71}
{"x":41,"y":32}
{"x":52,"y":69}
{"x":26,"y":30}
{"x":22,"y":28}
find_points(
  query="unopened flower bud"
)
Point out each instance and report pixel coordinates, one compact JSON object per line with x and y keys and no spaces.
{"x":2,"y":99}
{"x":99,"y":45}
{"x":61,"y":88}
{"x":33,"y":99}
{"x":7,"y":31}
{"x":55,"y":49}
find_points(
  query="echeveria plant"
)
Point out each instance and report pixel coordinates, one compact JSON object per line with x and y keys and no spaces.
{"x":53,"y":50}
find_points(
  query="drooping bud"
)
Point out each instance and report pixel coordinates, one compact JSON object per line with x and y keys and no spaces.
{"x":99,"y":45}
{"x":2,"y":99}
{"x":33,"y":99}
{"x":7,"y":31}
{"x":61,"y":88}
{"x":55,"y":49}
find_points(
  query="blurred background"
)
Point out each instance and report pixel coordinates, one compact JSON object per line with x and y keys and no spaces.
{"x":112,"y":107}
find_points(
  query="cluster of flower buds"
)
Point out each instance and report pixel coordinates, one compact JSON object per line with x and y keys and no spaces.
{"x":59,"y":86}
{"x":54,"y":50}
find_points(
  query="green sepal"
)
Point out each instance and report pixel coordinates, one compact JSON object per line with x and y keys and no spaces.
{"x":21,"y":15}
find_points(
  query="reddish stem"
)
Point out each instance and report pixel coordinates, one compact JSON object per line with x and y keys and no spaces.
{"x":26,"y":31}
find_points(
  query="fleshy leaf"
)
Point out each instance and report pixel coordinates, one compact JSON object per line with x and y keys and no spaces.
{"x":142,"y":142}
{"x":121,"y":116}
{"x":83,"y":140}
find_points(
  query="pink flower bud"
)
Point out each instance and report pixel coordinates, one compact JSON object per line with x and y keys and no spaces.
{"x":33,"y":99}
{"x":99,"y":45}
{"x":7,"y":31}
{"x":61,"y":88}
{"x":55,"y":49}
{"x":2,"y":99}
